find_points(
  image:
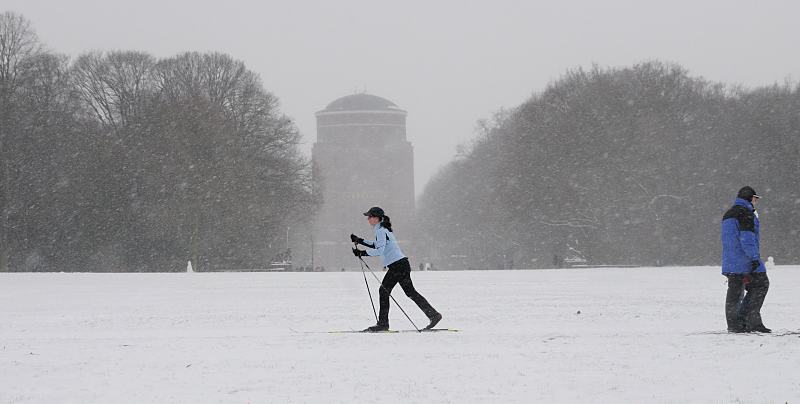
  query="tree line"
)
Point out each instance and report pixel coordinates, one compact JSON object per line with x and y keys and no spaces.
{"x":120,"y":161}
{"x":619,"y":166}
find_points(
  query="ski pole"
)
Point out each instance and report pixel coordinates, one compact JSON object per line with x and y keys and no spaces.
{"x":390,"y":294}
{"x":367,"y":285}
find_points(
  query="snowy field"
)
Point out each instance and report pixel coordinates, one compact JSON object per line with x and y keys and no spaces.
{"x":641,"y":336}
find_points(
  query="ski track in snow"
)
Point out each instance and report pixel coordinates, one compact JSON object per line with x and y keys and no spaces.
{"x":642,"y":335}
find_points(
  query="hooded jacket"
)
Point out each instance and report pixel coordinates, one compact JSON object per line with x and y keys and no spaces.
{"x":740,"y":239}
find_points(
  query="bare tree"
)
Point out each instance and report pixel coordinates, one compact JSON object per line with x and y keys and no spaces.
{"x":115,"y":86}
{"x":631,"y":163}
{"x":241,"y":150}
{"x":18,"y":42}
{"x":119,"y":161}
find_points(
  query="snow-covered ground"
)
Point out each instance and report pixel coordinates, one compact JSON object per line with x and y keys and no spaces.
{"x":228,"y":338}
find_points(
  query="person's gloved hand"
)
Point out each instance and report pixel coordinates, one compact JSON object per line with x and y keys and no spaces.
{"x":745,"y":280}
{"x":356,"y":239}
{"x":754,"y":265}
{"x":359,"y":253}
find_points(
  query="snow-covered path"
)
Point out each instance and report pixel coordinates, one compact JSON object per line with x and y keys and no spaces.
{"x":227,"y":338}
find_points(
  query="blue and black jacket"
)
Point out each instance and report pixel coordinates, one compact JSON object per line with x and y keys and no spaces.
{"x":740,"y":239}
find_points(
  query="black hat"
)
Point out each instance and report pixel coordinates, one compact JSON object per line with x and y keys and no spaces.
{"x":374,"y":211}
{"x":747,"y":193}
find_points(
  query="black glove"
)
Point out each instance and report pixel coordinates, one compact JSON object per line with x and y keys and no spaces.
{"x":754,"y":265}
{"x":359,"y":253}
{"x":360,"y":240}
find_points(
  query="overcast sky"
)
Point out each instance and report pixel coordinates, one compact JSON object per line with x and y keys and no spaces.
{"x":448,"y":63}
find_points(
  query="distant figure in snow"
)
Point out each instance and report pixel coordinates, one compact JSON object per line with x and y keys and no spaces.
{"x":399,"y":269}
{"x":741,"y":264}
{"x":558,"y":261}
{"x":770,"y":263}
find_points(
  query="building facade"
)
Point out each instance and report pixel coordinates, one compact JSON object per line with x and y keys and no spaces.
{"x":361,"y":159}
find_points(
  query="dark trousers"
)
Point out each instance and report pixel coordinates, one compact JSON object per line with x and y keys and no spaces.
{"x":743,"y":301}
{"x":400,"y":272}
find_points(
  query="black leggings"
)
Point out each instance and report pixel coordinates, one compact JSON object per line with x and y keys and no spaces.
{"x":400,"y":272}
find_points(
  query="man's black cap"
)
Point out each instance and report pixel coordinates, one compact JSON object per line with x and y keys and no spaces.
{"x":374,"y":211}
{"x":747,"y":193}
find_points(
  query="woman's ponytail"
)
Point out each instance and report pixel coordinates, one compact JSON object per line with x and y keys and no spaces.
{"x":386,"y":223}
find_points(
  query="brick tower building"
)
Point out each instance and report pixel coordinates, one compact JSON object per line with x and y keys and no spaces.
{"x":361,"y":159}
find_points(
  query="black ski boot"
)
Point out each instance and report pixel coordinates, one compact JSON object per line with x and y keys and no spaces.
{"x":759,"y":328}
{"x":435,"y":319}
{"x":377,"y":328}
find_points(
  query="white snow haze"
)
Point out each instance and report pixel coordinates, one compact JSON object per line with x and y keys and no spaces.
{"x":183,"y":186}
{"x":448,"y":63}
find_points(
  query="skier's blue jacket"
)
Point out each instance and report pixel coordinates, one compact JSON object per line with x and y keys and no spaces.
{"x":385,"y":245}
{"x":740,"y":239}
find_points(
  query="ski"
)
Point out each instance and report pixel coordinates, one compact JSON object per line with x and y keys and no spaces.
{"x":381,"y":332}
{"x":420,"y":331}
{"x":327,"y":332}
{"x":775,"y":334}
{"x":433,"y":330}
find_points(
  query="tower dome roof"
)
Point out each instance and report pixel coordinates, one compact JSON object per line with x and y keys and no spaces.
{"x":362,"y":102}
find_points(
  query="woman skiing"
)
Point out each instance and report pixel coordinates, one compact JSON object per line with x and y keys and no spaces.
{"x":399,"y":269}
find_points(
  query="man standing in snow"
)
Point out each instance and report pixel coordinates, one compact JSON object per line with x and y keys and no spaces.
{"x":741,"y":264}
